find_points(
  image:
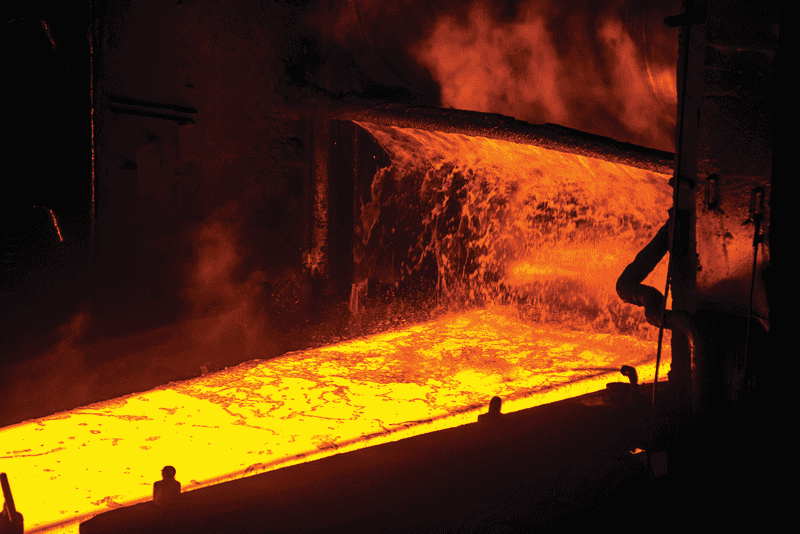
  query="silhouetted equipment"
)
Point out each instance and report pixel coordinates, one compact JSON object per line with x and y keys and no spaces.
{"x":630,"y":372}
{"x":626,"y":393}
{"x":545,"y":467}
{"x":11,"y":521}
{"x":493,"y":416}
{"x":166,"y":491}
{"x":9,"y":498}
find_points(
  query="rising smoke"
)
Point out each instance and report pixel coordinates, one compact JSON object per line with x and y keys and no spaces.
{"x":225,"y":324}
{"x":597,"y":80}
{"x":608,"y":68}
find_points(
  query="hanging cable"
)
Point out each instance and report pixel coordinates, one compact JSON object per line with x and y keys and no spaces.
{"x":756,"y":216}
{"x":685,"y":20}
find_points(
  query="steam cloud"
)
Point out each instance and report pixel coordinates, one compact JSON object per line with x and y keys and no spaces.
{"x":601,"y":82}
{"x":608,"y":68}
{"x":225,"y":325}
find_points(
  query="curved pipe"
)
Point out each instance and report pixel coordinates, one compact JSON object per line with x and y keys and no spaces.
{"x":631,"y":290}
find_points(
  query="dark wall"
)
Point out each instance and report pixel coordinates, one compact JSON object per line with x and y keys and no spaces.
{"x":48,"y":165}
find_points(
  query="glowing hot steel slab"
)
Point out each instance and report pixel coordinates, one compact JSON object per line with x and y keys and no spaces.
{"x":267,"y":414}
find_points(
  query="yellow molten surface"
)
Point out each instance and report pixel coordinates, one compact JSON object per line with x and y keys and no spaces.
{"x":262,"y":415}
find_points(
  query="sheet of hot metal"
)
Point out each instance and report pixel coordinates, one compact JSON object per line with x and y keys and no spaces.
{"x":262,"y":415}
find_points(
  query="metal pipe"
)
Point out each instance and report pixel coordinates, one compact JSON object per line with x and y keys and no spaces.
{"x":631,"y":290}
{"x":311,"y":102}
{"x":135,"y":102}
{"x":629,"y":284}
{"x":171,"y":112}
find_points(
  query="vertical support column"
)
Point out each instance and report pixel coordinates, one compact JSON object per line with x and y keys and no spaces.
{"x":690,"y":90}
{"x":340,"y":215}
{"x":92,"y":37}
{"x":682,"y":254}
{"x":359,"y":280}
{"x":329,"y":199}
{"x":316,"y":259}
{"x":355,"y":213}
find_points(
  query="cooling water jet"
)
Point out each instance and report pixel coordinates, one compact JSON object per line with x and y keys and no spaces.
{"x":489,"y":221}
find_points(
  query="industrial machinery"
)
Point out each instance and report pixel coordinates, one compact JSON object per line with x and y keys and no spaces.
{"x":317,"y":266}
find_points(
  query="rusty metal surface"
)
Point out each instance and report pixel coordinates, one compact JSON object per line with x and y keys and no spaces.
{"x":735,"y":147}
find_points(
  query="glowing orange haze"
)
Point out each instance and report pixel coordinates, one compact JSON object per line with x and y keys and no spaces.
{"x":513,"y":68}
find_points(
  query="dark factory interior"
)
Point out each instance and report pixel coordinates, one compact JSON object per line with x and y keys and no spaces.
{"x":202,"y":185}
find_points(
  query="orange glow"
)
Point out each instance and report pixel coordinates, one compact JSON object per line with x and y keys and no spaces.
{"x":503,"y":221}
{"x":55,"y":223}
{"x":522,"y":68}
{"x":500,"y":68}
{"x":262,"y":415}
